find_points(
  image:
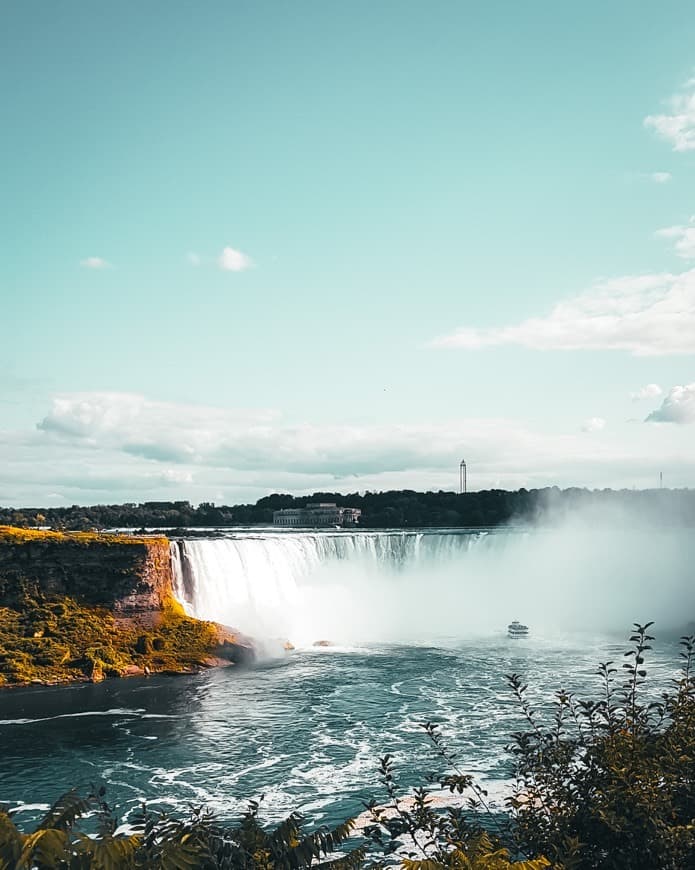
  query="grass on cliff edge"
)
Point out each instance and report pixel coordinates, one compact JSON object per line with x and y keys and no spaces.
{"x":14,"y":535}
{"x":56,"y":640}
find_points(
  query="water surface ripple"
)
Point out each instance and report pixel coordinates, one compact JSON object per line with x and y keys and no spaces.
{"x":305,"y":731}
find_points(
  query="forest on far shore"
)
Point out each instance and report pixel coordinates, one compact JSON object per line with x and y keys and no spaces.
{"x":381,"y":510}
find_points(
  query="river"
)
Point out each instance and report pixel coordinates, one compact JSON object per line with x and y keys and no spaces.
{"x":418,"y":627}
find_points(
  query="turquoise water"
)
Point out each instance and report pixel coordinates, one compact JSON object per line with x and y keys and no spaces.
{"x":306,"y":731}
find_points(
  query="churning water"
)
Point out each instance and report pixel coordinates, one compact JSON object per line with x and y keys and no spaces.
{"x":418,"y":625}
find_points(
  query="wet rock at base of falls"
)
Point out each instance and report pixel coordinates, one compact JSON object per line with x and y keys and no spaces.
{"x":234,"y":647}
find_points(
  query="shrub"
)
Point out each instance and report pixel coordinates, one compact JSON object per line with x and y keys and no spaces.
{"x":610,"y":783}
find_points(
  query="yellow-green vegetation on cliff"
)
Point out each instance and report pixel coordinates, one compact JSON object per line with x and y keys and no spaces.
{"x":14,"y":535}
{"x":57,"y":639}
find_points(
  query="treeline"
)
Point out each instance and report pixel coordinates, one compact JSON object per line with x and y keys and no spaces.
{"x":393,"y":509}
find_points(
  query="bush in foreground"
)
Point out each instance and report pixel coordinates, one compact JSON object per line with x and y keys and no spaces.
{"x":603,"y":784}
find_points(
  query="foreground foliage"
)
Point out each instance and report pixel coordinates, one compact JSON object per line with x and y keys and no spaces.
{"x":610,"y":783}
{"x":600,"y":784}
{"x":158,"y":841}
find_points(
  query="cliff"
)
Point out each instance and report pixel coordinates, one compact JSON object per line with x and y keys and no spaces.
{"x":127,"y":574}
{"x":85,"y":606}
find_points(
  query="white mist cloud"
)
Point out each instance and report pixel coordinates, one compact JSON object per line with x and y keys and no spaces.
{"x":661,"y":177}
{"x":231,"y":260}
{"x":593,"y":424}
{"x":646,"y":315}
{"x":95,"y":263}
{"x":193,"y":259}
{"x":678,"y":406}
{"x":649,"y":391}
{"x":677,"y":124}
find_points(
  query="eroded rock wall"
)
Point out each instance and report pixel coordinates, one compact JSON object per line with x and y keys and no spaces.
{"x":126,"y":574}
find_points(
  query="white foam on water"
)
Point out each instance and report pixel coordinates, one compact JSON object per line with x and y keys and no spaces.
{"x":116,"y":712}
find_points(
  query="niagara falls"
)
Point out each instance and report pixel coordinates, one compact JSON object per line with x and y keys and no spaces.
{"x":347,"y":416}
{"x":411,"y":625}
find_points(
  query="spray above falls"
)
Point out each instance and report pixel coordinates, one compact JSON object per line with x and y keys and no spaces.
{"x":418,"y":586}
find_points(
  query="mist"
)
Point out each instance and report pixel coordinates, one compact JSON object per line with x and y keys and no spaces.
{"x":593,"y":571}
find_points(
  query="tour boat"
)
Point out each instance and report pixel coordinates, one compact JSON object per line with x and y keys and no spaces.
{"x":516,"y":629}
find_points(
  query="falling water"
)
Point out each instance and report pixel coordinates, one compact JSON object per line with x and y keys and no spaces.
{"x":408,"y":586}
{"x":295,"y":585}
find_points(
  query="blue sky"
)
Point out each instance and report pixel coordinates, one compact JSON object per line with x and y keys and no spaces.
{"x":258,"y":246}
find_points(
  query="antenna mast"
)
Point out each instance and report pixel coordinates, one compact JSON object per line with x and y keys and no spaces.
{"x":462,"y":477}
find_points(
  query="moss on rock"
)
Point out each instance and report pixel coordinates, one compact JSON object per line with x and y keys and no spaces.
{"x":60,"y":640}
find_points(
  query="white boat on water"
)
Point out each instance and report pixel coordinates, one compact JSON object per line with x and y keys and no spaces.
{"x":516,"y":629}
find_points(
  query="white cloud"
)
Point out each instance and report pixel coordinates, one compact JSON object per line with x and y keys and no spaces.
{"x":661,"y":177}
{"x":684,"y":236}
{"x":232,"y":260}
{"x":136,"y":425}
{"x":677,"y":407}
{"x":677,"y":124}
{"x":172,"y":475}
{"x":593,"y":424}
{"x":646,"y":315}
{"x":193,"y":259}
{"x":95,"y":263}
{"x":649,"y":391}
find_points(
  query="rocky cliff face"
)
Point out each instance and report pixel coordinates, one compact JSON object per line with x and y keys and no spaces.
{"x":85,"y":606}
{"x":126,"y":574}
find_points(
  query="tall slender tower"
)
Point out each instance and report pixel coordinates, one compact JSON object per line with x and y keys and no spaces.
{"x":462,"y":476}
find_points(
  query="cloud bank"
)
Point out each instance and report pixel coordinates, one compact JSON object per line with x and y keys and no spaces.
{"x":113,"y":447}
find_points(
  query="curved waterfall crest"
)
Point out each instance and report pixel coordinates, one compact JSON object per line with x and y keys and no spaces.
{"x":257,"y":581}
{"x":350,"y":586}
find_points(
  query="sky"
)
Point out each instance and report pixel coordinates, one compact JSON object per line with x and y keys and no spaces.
{"x":262,"y":246}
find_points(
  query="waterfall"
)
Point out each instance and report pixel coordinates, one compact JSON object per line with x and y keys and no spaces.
{"x":405,"y":586}
{"x":272,"y":584}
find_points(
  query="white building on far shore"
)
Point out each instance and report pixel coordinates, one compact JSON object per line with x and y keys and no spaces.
{"x":313,"y":515}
